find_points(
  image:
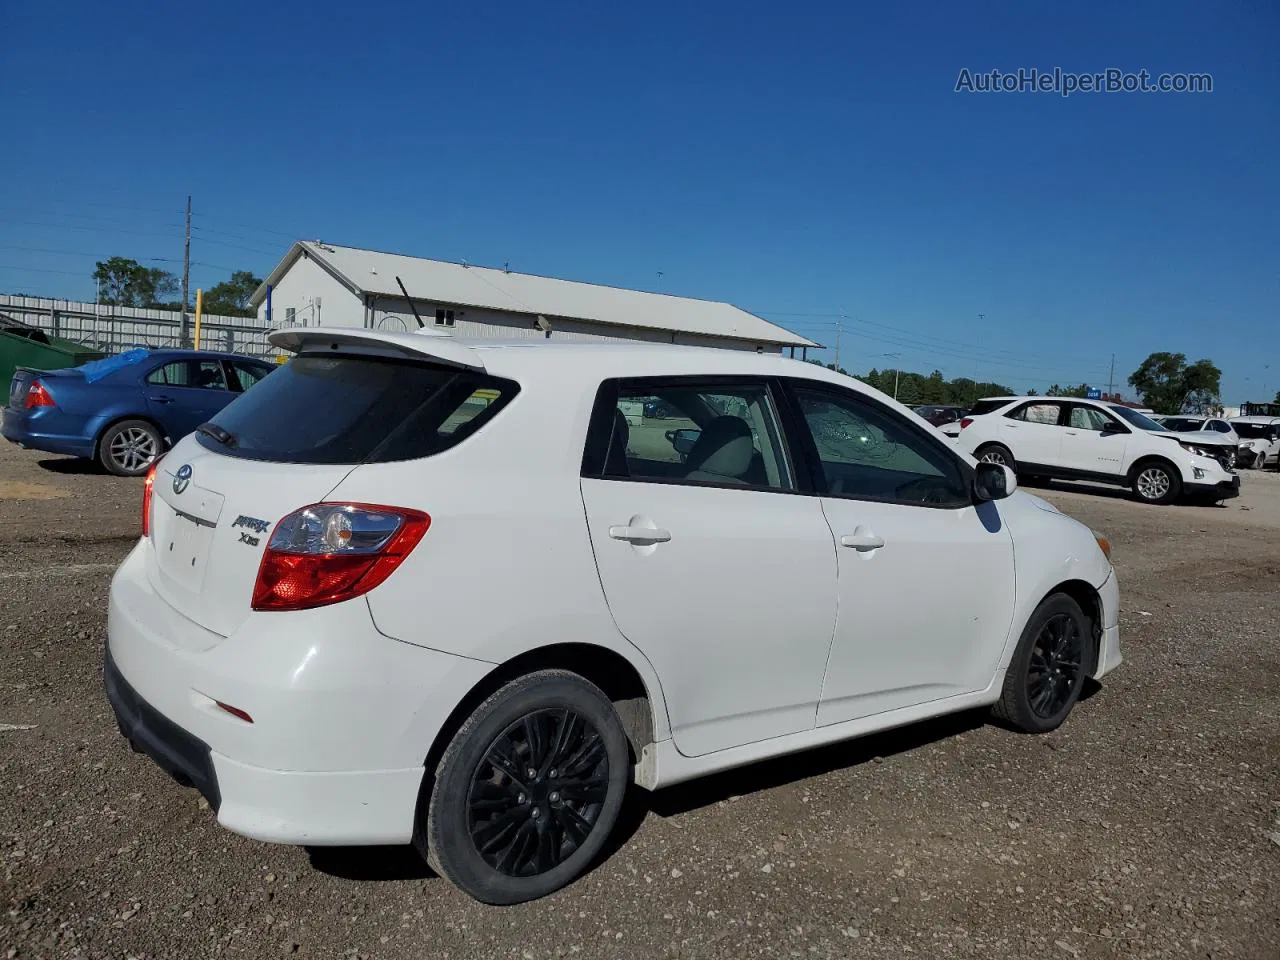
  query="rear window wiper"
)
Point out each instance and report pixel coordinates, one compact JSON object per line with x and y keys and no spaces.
{"x":216,"y":433}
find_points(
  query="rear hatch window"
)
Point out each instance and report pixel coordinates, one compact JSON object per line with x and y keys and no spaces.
{"x":343,"y":409}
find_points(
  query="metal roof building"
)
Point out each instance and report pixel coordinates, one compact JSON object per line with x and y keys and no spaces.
{"x":319,"y":283}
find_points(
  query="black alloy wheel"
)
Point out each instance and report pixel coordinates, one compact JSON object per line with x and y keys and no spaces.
{"x":1057,"y":659}
{"x":537,"y":792}
{"x":1048,"y":667}
{"x":526,"y":793}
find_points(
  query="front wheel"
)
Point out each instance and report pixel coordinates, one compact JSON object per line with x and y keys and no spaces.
{"x":1156,"y":483}
{"x":1047,"y":671}
{"x":528,"y":790}
{"x":129,"y":448}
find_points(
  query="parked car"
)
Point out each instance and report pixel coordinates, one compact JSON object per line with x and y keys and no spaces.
{"x":1212,"y":435}
{"x":940,"y":415}
{"x":952,"y":429}
{"x":1259,"y":441}
{"x":1072,"y":439}
{"x":125,"y":411}
{"x":1187,"y":423}
{"x":357,"y":616}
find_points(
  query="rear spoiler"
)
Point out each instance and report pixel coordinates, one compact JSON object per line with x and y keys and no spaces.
{"x":441,"y":348}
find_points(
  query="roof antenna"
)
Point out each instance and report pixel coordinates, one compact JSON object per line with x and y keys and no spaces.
{"x":411,"y":306}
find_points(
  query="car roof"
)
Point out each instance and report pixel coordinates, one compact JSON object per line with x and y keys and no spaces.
{"x":1033,"y":396}
{"x":175,"y":353}
{"x":584,"y":361}
{"x":1263,"y":421}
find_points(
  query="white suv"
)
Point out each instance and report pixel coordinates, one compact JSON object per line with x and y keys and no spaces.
{"x":1072,"y":439}
{"x":410,"y":588}
{"x":1259,"y":441}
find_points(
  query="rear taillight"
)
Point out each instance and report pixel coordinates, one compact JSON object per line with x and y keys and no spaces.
{"x":148,"y":486}
{"x":965,"y":421}
{"x":330,"y":552}
{"x":38,"y":396}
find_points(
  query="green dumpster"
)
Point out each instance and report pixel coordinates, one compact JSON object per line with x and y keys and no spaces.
{"x":24,"y":346}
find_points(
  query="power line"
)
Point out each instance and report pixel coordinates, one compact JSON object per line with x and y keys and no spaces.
{"x":68,"y":226}
{"x":245,"y":226}
{"x":199,"y":228}
{"x":69,"y":253}
{"x":69,"y":273}
{"x":237,"y":246}
{"x":112,"y":205}
{"x":931,"y":353}
{"x":84,"y":216}
{"x":928,"y":342}
{"x":897,"y":331}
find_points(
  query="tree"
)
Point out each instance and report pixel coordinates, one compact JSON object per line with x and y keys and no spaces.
{"x":231,"y":297}
{"x":1168,"y":384}
{"x":1080,"y":391}
{"x":919,"y":388}
{"x":127,"y":283}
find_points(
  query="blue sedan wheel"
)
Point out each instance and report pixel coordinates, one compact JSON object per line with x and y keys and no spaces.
{"x":128,"y":448}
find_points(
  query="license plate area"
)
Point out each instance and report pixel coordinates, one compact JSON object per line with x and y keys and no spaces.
{"x":182,"y":549}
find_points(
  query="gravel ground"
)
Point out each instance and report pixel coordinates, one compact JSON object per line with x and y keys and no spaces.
{"x":1148,"y":826}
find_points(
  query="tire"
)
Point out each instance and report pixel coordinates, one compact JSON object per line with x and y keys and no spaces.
{"x":128,"y":448}
{"x":1156,"y":482}
{"x":475,"y":790}
{"x":1031,"y":677}
{"x":996,"y":453}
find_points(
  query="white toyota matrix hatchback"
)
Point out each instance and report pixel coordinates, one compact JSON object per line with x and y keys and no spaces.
{"x":415,"y":589}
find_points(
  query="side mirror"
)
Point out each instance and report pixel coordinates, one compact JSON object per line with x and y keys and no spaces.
{"x":1113,"y":427}
{"x":994,"y":481}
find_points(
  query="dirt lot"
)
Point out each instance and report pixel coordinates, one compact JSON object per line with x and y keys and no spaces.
{"x":1148,"y":826}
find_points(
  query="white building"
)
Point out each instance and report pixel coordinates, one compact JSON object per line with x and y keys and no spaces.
{"x":321,"y":284}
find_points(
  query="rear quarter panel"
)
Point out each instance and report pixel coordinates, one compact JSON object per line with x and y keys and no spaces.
{"x":507,"y":565}
{"x":102,"y":403}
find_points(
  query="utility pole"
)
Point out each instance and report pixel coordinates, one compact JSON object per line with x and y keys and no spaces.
{"x":186,"y":275}
{"x":1111,"y":377}
{"x":839,"y":320}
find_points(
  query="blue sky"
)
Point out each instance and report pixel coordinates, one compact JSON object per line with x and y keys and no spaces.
{"x":805,"y":161}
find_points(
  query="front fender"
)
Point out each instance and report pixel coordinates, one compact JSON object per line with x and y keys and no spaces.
{"x":1050,"y":549}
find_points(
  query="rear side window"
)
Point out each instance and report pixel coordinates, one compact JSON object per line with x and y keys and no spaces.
{"x":322,"y":408}
{"x":688,"y":430}
{"x":1045,"y":413}
{"x":207,"y":374}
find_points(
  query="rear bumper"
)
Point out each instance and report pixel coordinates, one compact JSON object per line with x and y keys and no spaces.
{"x":343,"y":717}
{"x":184,"y":757}
{"x":17,"y":427}
{"x":1222,"y":490}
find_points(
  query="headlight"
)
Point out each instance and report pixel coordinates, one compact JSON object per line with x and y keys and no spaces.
{"x":1103,"y":544}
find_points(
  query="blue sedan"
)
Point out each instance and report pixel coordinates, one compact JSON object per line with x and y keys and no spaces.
{"x":125,"y":411}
